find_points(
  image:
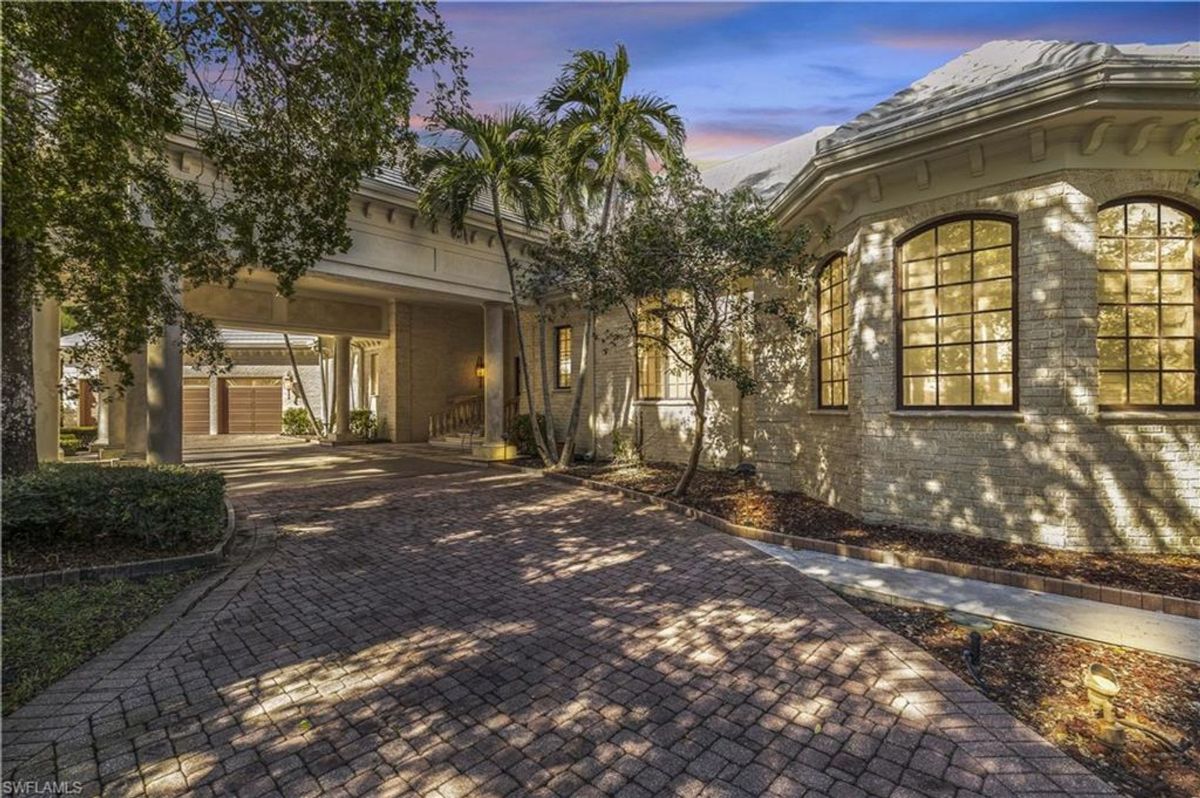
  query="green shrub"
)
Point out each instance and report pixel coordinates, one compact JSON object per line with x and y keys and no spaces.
{"x":624,"y":451}
{"x":297,"y":422}
{"x":86,"y":435}
{"x":162,"y":507}
{"x":363,"y":423}
{"x":521,"y":434}
{"x":70,"y":444}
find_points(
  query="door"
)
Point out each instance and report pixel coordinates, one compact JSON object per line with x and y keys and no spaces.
{"x":195,"y":406}
{"x":252,"y":405}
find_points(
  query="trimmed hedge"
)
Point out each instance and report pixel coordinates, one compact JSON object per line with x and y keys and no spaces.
{"x":161,"y":507}
{"x":297,"y":422}
{"x":363,"y":424}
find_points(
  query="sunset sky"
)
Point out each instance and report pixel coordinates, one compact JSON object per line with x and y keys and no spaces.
{"x":748,"y":75}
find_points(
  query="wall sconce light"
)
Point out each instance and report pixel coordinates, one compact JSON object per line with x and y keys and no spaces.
{"x":479,"y":370}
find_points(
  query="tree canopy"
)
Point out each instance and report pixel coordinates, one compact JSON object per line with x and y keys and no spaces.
{"x":294,"y":103}
{"x":700,"y":273}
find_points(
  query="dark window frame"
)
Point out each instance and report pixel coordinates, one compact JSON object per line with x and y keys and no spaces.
{"x":829,"y":261}
{"x":560,"y":383}
{"x":898,"y":316}
{"x":1194,"y":213}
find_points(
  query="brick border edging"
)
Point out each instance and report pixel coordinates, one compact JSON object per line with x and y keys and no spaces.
{"x":1136,"y":599}
{"x":131,"y":570}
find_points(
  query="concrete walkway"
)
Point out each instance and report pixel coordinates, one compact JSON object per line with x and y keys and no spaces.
{"x":1171,"y":635}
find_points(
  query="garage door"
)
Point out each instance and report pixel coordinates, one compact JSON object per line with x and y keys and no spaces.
{"x":252,"y":405}
{"x":195,"y":406}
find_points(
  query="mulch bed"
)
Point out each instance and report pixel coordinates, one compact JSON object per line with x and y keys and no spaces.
{"x":742,"y":502}
{"x":19,"y":561}
{"x":1036,"y":677}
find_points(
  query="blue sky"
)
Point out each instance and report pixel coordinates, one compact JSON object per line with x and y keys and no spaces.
{"x":745,"y":76}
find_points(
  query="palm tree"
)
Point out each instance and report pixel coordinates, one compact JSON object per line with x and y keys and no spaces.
{"x":499,"y":162}
{"x":606,"y":132}
{"x":605,"y":139}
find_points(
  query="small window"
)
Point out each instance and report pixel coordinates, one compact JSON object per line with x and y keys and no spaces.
{"x":1146,"y":284}
{"x":956,"y":316}
{"x":562,"y":356}
{"x":833,"y":333}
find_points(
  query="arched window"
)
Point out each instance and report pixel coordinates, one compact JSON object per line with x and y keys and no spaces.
{"x":833,"y":336}
{"x":956,"y":315}
{"x":1146,"y":335}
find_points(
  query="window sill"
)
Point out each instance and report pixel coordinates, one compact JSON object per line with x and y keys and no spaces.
{"x":961,"y":415}
{"x":662,"y":402}
{"x":829,"y":411}
{"x":1147,"y":416}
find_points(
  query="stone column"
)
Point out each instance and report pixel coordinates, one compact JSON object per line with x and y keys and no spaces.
{"x":110,"y":433}
{"x":214,"y":405}
{"x":46,"y":376}
{"x":135,"y":409}
{"x":341,"y":379}
{"x":360,"y":379}
{"x":164,"y":397}
{"x":494,"y":446}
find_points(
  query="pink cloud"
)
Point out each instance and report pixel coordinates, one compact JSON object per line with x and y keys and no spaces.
{"x":706,"y":144}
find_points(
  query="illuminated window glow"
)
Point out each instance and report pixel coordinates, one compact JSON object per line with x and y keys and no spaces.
{"x":1146,"y":286}
{"x":833,"y":333}
{"x":957,"y":331}
{"x":562,"y":356}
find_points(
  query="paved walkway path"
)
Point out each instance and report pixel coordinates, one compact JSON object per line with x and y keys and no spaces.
{"x":1172,"y":635}
{"x":425,"y":628}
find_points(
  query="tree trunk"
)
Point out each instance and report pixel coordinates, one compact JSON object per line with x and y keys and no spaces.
{"x":312,"y":417}
{"x":545,"y":371}
{"x":700,"y":402}
{"x":568,"y":451}
{"x":19,"y":441}
{"x":545,"y":448}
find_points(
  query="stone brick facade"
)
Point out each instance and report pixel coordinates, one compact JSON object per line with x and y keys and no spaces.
{"x":1055,"y":471}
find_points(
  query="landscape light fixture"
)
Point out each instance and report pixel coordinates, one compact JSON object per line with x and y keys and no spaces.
{"x":972,"y":655}
{"x":1102,"y":686}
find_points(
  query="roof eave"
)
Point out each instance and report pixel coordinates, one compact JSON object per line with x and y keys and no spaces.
{"x":827,"y":165}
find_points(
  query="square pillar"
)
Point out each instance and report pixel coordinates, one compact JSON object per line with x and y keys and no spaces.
{"x":46,"y":376}
{"x":110,"y":422}
{"x":341,"y":389}
{"x":164,"y":397}
{"x":214,"y":405}
{"x":494,"y":446}
{"x":135,"y":409}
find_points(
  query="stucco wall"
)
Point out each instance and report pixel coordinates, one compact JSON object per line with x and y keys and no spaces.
{"x":428,"y":359}
{"x":1056,"y":471}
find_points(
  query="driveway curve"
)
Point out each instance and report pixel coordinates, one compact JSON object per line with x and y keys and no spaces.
{"x":427,"y":628}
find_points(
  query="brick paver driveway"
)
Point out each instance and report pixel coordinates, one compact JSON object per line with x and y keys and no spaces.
{"x":425,"y":628}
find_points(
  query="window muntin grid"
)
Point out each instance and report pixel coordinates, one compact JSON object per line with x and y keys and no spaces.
{"x":1146,"y":333}
{"x":833,"y":334}
{"x":562,"y":356}
{"x":957,"y":324}
{"x":659,"y":376}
